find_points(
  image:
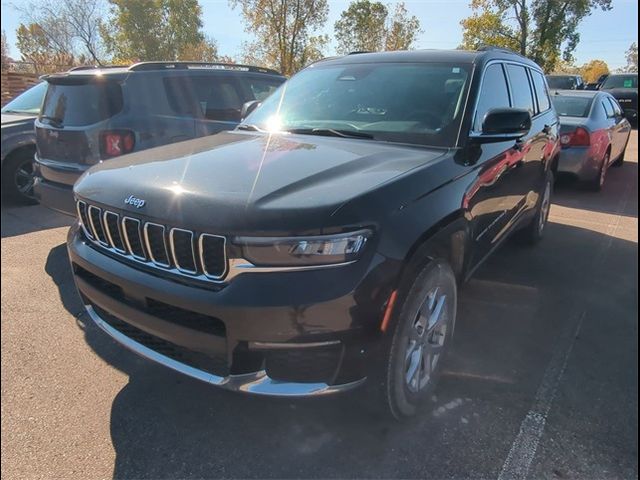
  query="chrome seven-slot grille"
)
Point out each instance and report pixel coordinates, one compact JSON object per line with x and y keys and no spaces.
{"x":157,"y":245}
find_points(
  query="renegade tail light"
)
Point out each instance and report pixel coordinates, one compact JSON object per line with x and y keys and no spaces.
{"x":307,"y":251}
{"x":114,"y":143}
{"x":578,"y":138}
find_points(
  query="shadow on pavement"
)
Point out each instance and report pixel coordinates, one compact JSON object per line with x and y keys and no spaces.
{"x":20,"y":219}
{"x":164,"y":425}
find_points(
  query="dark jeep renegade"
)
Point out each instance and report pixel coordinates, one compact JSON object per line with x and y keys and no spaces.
{"x":319,"y":245}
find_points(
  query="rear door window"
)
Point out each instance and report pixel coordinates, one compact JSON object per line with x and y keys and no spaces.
{"x":212,"y":97}
{"x":520,"y":87}
{"x":82,"y":104}
{"x":608,"y":108}
{"x":616,"y":106}
{"x":542,"y":95}
{"x":494,"y":94}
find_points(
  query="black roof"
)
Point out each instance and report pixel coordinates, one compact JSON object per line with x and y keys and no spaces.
{"x":417,"y":56}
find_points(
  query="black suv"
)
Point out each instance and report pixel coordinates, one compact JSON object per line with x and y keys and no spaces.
{"x":624,"y":87}
{"x":320,"y":244}
{"x":565,"y":82}
{"x":95,"y":114}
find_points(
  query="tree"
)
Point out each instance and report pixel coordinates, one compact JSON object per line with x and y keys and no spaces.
{"x":632,"y":58}
{"x":72,"y":26}
{"x":283,"y":31}
{"x":362,"y":27}
{"x":592,"y":70}
{"x":544,"y":30}
{"x":403,"y":30}
{"x":39,"y":50}
{"x":143,"y":30}
{"x":205,"y":51}
{"x":5,"y":52}
{"x":366,"y":26}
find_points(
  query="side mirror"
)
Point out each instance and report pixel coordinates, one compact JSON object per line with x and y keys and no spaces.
{"x":502,"y":124}
{"x":249,"y":107}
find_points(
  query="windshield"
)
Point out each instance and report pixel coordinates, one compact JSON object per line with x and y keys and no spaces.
{"x":406,"y":103}
{"x":572,"y":106}
{"x":28,"y":102}
{"x":561,"y":83}
{"x":621,"y":81}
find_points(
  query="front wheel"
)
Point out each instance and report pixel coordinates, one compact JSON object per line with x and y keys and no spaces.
{"x":421,"y":336}
{"x":18,"y":177}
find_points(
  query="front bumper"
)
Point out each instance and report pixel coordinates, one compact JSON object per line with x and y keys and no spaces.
{"x":580,"y":162}
{"x":294,"y":334}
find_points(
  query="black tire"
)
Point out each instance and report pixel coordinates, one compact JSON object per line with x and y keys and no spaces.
{"x":620,"y":160}
{"x":597,"y":183}
{"x":17,"y":176}
{"x":432,"y":290}
{"x":534,"y":231}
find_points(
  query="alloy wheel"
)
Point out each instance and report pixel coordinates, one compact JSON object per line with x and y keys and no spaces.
{"x":24,"y":178}
{"x":545,"y":207}
{"x":426,"y":341}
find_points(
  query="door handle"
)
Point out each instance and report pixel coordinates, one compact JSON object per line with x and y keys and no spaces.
{"x":547,"y":129}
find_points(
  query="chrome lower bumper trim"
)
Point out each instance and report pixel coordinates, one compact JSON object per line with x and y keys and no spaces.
{"x":258,"y":383}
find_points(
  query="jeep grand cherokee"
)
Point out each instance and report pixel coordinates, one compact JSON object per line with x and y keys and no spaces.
{"x":318,"y":246}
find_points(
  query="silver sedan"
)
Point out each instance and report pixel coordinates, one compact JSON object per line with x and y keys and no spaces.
{"x":593,"y":134}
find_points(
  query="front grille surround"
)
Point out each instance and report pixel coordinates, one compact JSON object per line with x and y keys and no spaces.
{"x":148,"y":243}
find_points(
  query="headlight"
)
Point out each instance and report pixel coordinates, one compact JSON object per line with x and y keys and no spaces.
{"x":303,"y":251}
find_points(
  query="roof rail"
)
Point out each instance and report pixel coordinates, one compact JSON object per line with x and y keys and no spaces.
{"x":147,"y":66}
{"x":93,"y":67}
{"x":489,"y":48}
{"x":358,"y":52}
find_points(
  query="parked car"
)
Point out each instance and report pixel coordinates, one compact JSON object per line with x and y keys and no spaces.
{"x":565,"y":82}
{"x":94,"y":114}
{"x":19,"y":143}
{"x":593,"y":134}
{"x":320,"y":244}
{"x":624,"y":87}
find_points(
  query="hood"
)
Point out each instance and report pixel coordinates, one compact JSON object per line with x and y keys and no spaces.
{"x":11,"y":119}
{"x":246,"y":181}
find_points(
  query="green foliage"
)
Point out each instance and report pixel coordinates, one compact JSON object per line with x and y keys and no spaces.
{"x":362,"y":27}
{"x":143,"y":30}
{"x":38,"y":49}
{"x":283,"y":31}
{"x":544,"y":30}
{"x":632,"y":58}
{"x":366,"y":26}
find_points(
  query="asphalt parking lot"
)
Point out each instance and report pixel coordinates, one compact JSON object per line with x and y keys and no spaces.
{"x":541,"y":383}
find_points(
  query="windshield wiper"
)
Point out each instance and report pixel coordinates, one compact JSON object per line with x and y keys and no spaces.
{"x":331,"y":132}
{"x":248,"y":126}
{"x":55,"y":121}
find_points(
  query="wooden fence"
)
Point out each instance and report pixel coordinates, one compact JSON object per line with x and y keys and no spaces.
{"x":14,"y":83}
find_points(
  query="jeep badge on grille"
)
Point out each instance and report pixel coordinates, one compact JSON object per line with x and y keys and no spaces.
{"x":136,"y":202}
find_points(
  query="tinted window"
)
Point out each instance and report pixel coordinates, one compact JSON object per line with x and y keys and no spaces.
{"x":520,"y":88}
{"x":395,"y":102}
{"x":81,"y":104}
{"x":27,"y":102}
{"x":215,"y":98}
{"x":261,"y":88}
{"x":568,"y":106}
{"x":608,"y":108}
{"x":621,"y":81}
{"x":494,"y":94}
{"x":556,"y":82}
{"x":541,"y":91}
{"x":616,"y":107}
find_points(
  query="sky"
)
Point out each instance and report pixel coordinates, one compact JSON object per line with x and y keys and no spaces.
{"x":604,"y":35}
